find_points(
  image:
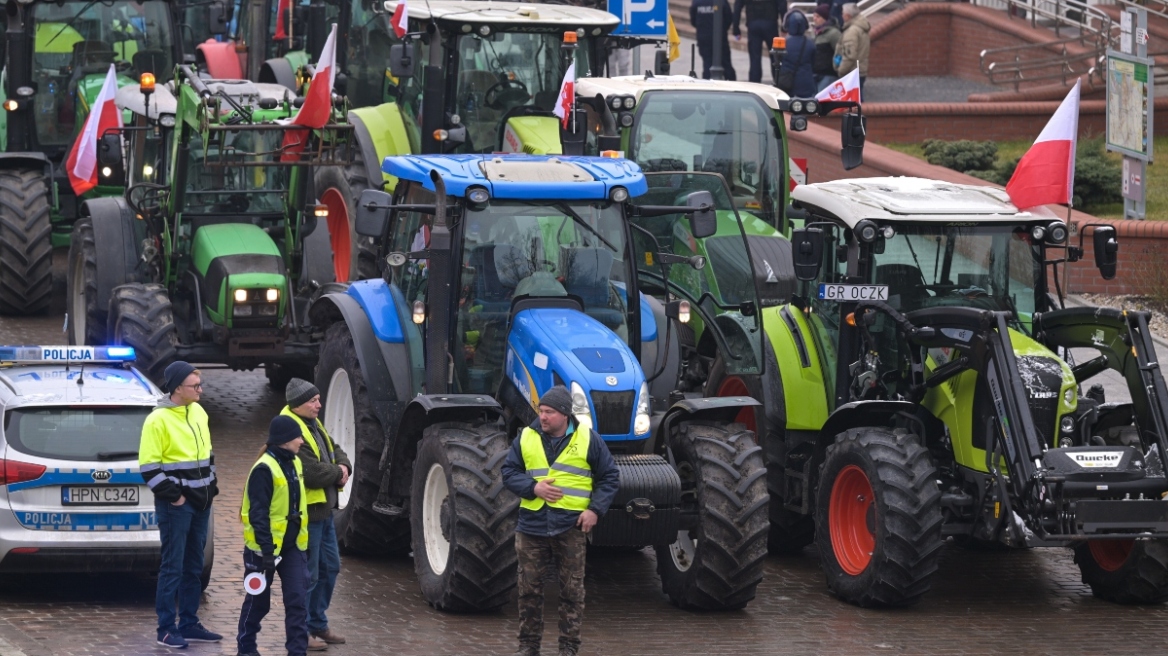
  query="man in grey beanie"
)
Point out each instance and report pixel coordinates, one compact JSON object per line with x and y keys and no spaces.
{"x":326,"y":472}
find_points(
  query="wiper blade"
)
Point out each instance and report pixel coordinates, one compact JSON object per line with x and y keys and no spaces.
{"x":116,"y":455}
{"x":72,"y":20}
{"x":580,"y":221}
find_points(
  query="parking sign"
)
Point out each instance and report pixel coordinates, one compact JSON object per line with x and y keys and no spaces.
{"x":640,"y":18}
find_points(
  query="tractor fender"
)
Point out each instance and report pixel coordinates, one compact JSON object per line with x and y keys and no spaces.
{"x":380,"y":132}
{"x":424,"y":410}
{"x":219,"y":59}
{"x":339,"y":306}
{"x":738,"y":333}
{"x":722,"y":409}
{"x":30,"y":160}
{"x":117,"y":237}
{"x":858,"y":414}
{"x":368,"y":150}
{"x":279,"y":71}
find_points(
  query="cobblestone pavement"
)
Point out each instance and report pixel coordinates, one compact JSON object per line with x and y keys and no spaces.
{"x":981,"y":603}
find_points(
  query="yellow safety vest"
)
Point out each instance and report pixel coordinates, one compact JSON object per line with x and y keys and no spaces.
{"x":315,"y":494}
{"x":571,"y":470}
{"x":278,"y":509}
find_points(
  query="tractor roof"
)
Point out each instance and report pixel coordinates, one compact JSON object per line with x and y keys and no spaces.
{"x":163,"y":100}
{"x":636,"y":85}
{"x":523,"y":177}
{"x":913,"y":199}
{"x":515,"y":15}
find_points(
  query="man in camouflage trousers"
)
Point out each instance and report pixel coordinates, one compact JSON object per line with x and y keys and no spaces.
{"x":560,"y":503}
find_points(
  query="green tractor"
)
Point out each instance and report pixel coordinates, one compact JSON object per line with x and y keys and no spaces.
{"x":931,"y":387}
{"x":206,"y":260}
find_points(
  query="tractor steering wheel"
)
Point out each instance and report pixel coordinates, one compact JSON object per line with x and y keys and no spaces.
{"x":506,"y":93}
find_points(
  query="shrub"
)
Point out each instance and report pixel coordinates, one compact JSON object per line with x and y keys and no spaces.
{"x":963,"y":155}
{"x":1098,"y":178}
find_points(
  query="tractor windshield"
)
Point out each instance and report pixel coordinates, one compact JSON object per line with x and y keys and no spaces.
{"x":734,"y":134}
{"x":227,"y":175}
{"x":75,"y":44}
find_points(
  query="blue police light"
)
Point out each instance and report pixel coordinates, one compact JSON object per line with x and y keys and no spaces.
{"x":119,"y":352}
{"x":35,"y":353}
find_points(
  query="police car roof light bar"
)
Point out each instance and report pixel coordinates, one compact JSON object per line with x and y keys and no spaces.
{"x":38,"y":354}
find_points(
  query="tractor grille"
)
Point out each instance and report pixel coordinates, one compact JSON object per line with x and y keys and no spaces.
{"x":614,"y":412}
{"x":1043,"y":379}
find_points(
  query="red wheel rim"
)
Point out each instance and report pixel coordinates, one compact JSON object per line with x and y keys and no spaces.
{"x":1110,"y":555}
{"x":848,"y":520}
{"x":340,"y":239}
{"x":735,"y":386}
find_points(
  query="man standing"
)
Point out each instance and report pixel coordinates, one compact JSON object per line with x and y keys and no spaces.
{"x":854,"y":45}
{"x":177,"y":464}
{"x":559,"y":504}
{"x":702,"y":17}
{"x":762,"y":26}
{"x":827,"y":37}
{"x":326,"y":470}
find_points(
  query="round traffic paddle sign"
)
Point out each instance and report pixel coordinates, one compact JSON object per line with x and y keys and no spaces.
{"x":255,"y":583}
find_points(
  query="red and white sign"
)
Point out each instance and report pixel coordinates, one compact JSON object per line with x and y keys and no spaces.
{"x":847,"y":88}
{"x":798,"y":168}
{"x":318,"y":101}
{"x":567,"y":98}
{"x":401,"y":19}
{"x":255,"y":583}
{"x":81,"y":164}
{"x":1046,"y":173}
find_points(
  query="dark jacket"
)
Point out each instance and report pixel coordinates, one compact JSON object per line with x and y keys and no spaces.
{"x":759,"y":11}
{"x":548,"y":521}
{"x":826,"y":38}
{"x":259,"y":492}
{"x":322,"y":475}
{"x":701,"y":16}
{"x":800,"y":55}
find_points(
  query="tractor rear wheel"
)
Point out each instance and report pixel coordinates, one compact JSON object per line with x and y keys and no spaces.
{"x":87,"y":316}
{"x":350,"y":420}
{"x":463,"y":518}
{"x":141,"y":316}
{"x":26,"y":245}
{"x":878,"y":517}
{"x":279,"y":373}
{"x":718,"y":565}
{"x":354,"y":256}
{"x":1125,"y":571}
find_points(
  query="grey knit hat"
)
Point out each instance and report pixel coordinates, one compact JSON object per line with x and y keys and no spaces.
{"x":299,"y":392}
{"x":559,"y":399}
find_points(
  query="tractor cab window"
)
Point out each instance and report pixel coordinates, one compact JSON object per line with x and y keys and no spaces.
{"x":369,"y":38}
{"x":408,"y":92}
{"x":75,"y":44}
{"x":227,"y":175}
{"x":512,"y":249}
{"x":411,"y":234}
{"x":733,"y":134}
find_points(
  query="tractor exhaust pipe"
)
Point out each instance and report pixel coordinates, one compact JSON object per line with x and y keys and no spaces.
{"x":438,"y":312}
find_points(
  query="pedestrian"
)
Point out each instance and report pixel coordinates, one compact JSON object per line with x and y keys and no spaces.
{"x":275,"y":538}
{"x":827,"y":36}
{"x":854,"y":45}
{"x":326,"y":471}
{"x":560,"y":503}
{"x":176,"y":461}
{"x":795,"y":76}
{"x":702,"y":14}
{"x":762,"y":26}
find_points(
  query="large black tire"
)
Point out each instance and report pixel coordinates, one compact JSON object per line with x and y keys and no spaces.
{"x":878,"y":517}
{"x":722,"y":479}
{"x":88,"y":317}
{"x":463,"y":518}
{"x":1125,"y":571}
{"x":348,"y":408}
{"x":339,"y":188}
{"x":140,"y":316}
{"x":789,"y":531}
{"x":26,"y":246}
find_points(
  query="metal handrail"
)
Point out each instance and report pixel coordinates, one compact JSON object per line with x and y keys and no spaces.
{"x":866,"y":7}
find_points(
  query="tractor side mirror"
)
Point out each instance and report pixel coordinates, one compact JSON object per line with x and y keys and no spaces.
{"x":1106,"y":251}
{"x":703,"y":220}
{"x":372,"y":213}
{"x":109,"y":149}
{"x":573,"y":142}
{"x":661,"y":63}
{"x":217,"y":18}
{"x":807,"y":251}
{"x":853,"y":129}
{"x":401,"y":64}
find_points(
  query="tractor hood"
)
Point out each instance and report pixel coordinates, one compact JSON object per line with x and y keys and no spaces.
{"x":228,"y":257}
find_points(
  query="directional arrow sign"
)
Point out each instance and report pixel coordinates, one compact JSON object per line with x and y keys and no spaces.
{"x":640,"y":18}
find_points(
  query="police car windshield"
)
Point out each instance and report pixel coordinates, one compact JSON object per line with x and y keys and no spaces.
{"x":76,"y":433}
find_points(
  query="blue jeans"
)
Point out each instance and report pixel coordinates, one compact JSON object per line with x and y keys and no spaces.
{"x":183,"y":532}
{"x":324,"y":563}
{"x":293,"y":571}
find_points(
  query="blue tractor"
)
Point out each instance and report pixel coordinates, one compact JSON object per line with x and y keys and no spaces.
{"x":504,"y":276}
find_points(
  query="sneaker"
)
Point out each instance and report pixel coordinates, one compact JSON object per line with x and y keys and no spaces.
{"x":316,"y":644}
{"x":330,"y":636}
{"x":199,"y":633}
{"x":172,"y":639}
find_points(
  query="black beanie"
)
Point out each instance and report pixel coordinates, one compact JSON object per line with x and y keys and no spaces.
{"x":282,"y":430}
{"x":559,"y":399}
{"x":175,"y":373}
{"x":299,"y":392}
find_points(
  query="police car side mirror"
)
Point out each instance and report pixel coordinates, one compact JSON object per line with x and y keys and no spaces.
{"x":807,"y":251}
{"x":372,"y":213}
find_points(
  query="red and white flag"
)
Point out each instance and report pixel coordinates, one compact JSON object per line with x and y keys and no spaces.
{"x":1046,"y":173}
{"x":401,"y":19}
{"x":318,"y":101}
{"x":567,"y":98}
{"x":283,"y":7}
{"x":845,"y":89}
{"x":104,"y":115}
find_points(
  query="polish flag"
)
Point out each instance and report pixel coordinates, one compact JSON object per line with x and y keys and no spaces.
{"x":845,"y":89}
{"x":1046,"y":173}
{"x":401,"y":19}
{"x":567,"y":98}
{"x":318,"y":101}
{"x":283,"y":7}
{"x":104,"y":115}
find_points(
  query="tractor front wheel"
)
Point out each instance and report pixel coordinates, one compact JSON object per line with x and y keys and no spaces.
{"x":87,"y":315}
{"x":354,"y":256}
{"x":141,"y":316}
{"x":1125,"y":571}
{"x":26,"y":245}
{"x":878,"y":517}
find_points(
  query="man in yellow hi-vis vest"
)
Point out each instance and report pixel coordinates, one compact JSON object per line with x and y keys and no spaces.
{"x":566,"y":479}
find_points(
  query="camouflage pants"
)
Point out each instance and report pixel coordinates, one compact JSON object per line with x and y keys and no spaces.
{"x":539,"y":557}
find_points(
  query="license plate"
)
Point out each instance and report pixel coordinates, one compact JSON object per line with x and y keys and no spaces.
{"x":850,"y":293}
{"x":99,"y":495}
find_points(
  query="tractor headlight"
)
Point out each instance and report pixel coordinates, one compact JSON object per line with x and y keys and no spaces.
{"x":167,"y":120}
{"x":268,"y":310}
{"x":641,"y":422}
{"x":580,"y":410}
{"x":796,"y":106}
{"x":1069,"y":397}
{"x":1067,"y":425}
{"x":478,"y":195}
{"x":630,"y":102}
{"x":106,"y":171}
{"x":1057,"y":233}
{"x":811,"y":107}
{"x":242,"y":310}
{"x":147,"y":171}
{"x":615,"y":102}
{"x":619,"y":194}
{"x":241,"y":296}
{"x":272,"y":295}
{"x":419,"y":314}
{"x":888,"y":231}
{"x":866,"y":231}
{"x":1038,"y":232}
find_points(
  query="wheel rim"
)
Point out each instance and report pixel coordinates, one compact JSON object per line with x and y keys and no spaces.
{"x":77,"y":316}
{"x":1110,"y":555}
{"x":437,"y":546}
{"x":684,"y":551}
{"x":339,"y":233}
{"x":735,"y":386}
{"x":848,"y":519}
{"x":341,"y":424}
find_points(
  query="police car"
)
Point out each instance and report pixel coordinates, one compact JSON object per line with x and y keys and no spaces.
{"x":71,"y":497}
